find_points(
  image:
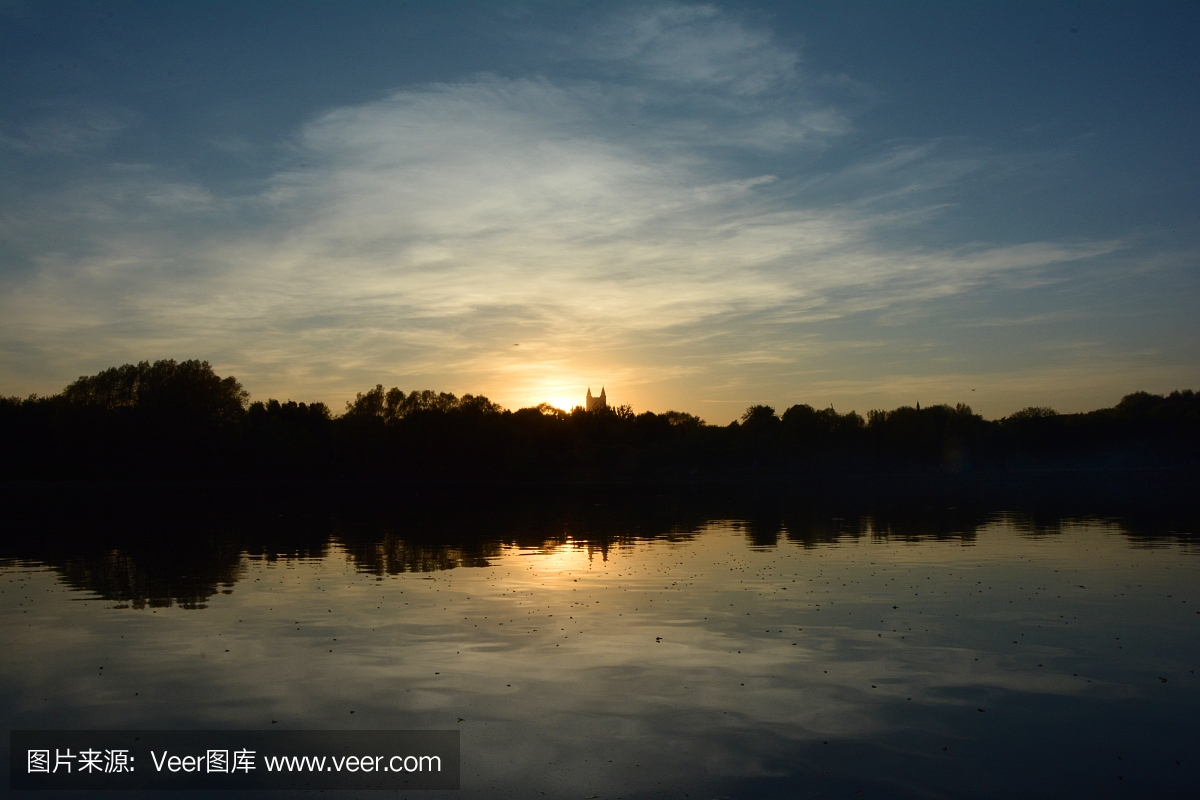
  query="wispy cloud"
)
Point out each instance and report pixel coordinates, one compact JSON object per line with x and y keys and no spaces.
{"x":418,"y":237}
{"x":695,"y":46}
{"x":68,"y":132}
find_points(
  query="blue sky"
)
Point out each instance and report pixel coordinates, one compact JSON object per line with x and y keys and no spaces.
{"x":698,"y":206}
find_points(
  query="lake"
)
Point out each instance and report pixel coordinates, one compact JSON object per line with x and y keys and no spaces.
{"x":607,"y":646}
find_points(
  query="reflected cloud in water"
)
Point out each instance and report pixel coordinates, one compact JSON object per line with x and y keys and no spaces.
{"x":636,"y":645}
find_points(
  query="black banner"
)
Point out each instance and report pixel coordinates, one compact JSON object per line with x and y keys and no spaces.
{"x":234,"y":760}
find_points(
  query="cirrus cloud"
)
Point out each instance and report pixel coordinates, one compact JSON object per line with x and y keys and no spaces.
{"x":614,"y":227}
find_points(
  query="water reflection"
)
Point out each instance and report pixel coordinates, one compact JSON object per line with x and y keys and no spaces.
{"x":182,"y":546}
{"x":633,"y":645}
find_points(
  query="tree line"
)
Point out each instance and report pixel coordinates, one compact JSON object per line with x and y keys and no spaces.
{"x":180,"y":420}
{"x":109,"y":539}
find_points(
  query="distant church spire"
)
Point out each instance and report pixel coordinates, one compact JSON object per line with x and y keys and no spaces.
{"x":595,"y":403}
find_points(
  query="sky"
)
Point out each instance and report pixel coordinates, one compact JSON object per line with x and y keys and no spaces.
{"x":698,"y":207}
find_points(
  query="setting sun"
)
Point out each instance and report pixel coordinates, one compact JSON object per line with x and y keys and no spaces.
{"x":689,"y":398}
{"x":563,"y":394}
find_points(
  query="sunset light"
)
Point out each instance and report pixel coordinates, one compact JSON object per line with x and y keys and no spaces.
{"x":629,"y":399}
{"x":705,"y":205}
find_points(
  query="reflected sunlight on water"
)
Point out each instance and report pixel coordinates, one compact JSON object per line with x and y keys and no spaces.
{"x":1051,"y":661}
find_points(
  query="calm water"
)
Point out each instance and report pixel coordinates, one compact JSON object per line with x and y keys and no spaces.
{"x":647,"y":652}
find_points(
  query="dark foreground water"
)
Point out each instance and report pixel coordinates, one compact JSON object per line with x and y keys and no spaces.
{"x":598,"y":647}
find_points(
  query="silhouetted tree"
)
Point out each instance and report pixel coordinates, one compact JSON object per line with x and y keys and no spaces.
{"x":170,"y":419}
{"x":185,"y":389}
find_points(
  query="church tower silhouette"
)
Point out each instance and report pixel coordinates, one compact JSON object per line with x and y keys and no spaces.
{"x":595,"y":403}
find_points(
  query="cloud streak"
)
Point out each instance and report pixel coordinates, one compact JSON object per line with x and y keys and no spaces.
{"x":610,"y":226}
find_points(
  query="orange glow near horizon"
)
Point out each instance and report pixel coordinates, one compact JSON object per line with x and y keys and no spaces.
{"x":564,"y":394}
{"x":564,"y":404}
